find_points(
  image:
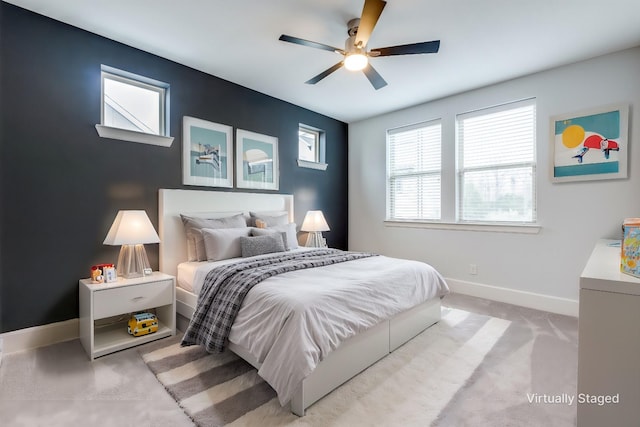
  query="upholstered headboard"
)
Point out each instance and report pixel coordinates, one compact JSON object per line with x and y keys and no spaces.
{"x":172,"y":203}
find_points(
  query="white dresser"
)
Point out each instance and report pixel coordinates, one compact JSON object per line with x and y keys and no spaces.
{"x":609,"y":342}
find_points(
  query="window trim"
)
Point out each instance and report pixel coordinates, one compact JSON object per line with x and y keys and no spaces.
{"x":449,"y":208}
{"x":459,"y":170}
{"x":133,"y":136}
{"x":162,"y":88}
{"x":515,"y":228}
{"x":321,"y":148}
{"x":388,"y":177}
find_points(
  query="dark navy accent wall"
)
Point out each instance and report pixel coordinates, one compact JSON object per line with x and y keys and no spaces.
{"x":61,"y":185}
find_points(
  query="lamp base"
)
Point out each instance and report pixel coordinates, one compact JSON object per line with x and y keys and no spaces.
{"x":315,"y":240}
{"x":133,"y":262}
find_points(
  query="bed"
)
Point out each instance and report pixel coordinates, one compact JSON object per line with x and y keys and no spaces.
{"x":351,"y":356}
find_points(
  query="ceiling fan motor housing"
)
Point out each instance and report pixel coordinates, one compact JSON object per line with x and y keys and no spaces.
{"x":352,"y":26}
{"x":350,"y":44}
{"x":350,"y":47}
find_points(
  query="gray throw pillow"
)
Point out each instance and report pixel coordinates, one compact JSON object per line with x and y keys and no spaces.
{"x":271,"y":232}
{"x":193,"y":226}
{"x":259,"y":245}
{"x":223,"y":243}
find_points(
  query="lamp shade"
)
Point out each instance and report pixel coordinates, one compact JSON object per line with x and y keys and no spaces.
{"x":314,"y":221}
{"x":131,"y":228}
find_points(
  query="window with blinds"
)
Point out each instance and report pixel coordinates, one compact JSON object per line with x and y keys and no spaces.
{"x":497,"y":164}
{"x":414,"y":172}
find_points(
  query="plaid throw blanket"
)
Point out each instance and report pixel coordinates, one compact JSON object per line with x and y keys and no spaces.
{"x":226,"y":286}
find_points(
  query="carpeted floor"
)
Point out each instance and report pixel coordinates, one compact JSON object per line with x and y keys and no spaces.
{"x":538,"y":353}
{"x":478,"y":371}
{"x":469,"y":369}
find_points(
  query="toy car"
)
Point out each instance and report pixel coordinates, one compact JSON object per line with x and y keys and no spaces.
{"x":142,"y":324}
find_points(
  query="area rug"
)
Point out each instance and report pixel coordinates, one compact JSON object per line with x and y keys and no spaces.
{"x":411,"y":386}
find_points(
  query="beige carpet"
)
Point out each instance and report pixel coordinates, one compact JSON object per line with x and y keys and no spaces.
{"x":411,"y":386}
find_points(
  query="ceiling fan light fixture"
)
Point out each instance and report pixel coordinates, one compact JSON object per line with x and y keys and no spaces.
{"x":355,"y":61}
{"x":355,"y":55}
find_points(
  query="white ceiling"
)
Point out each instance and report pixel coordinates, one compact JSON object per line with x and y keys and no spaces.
{"x":482,"y":42}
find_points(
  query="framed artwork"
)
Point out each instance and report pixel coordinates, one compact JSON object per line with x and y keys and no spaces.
{"x":207,"y":153}
{"x":590,"y":145}
{"x":256,"y":161}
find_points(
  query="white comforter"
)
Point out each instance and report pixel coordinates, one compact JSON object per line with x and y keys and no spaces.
{"x":290,"y":322}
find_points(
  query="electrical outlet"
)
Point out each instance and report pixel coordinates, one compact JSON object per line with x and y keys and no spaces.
{"x":473,"y":269}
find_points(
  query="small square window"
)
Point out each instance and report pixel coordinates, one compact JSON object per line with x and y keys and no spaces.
{"x":133,"y":103}
{"x":133,"y":108}
{"x":311,"y":147}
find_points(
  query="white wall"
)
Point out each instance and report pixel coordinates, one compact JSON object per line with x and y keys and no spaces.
{"x":573,"y":216}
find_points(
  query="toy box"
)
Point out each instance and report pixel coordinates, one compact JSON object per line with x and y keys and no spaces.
{"x":630,"y":257}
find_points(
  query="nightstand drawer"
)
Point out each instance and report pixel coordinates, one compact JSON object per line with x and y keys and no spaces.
{"x":110,"y":302}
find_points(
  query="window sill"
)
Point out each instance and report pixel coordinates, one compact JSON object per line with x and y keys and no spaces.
{"x":312,"y":165}
{"x":458,"y":226}
{"x":133,"y":136}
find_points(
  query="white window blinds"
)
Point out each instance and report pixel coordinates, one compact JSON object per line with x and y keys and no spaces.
{"x":497,"y":164}
{"x":414,"y":172}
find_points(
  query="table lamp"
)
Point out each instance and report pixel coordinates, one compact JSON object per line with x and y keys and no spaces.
{"x":132,"y":229}
{"x":315,"y":224}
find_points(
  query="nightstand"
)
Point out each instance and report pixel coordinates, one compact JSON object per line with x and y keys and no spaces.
{"x":105,"y":310}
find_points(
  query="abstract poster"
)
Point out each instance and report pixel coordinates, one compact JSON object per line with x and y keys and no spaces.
{"x":590,"y":145}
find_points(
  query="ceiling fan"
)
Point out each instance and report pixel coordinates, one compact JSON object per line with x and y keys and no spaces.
{"x":356,"y":56}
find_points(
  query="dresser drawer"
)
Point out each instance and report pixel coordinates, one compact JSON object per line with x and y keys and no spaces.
{"x":126,"y":299}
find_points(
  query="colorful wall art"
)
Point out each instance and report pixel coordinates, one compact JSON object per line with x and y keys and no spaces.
{"x":590,"y":145}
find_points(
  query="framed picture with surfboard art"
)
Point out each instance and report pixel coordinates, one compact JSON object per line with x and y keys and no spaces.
{"x":590,"y":145}
{"x":207,"y":153}
{"x":256,"y":161}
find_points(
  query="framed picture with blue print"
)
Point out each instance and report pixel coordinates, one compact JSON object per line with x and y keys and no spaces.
{"x":207,"y":153}
{"x":257,"y":165}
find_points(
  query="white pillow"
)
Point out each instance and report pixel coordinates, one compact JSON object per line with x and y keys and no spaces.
{"x":193,"y":226}
{"x":292,"y":235}
{"x":223,"y":243}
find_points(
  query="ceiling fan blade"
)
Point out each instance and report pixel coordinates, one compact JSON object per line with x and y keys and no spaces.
{"x":324,"y":74}
{"x":376,"y":79}
{"x":370,"y":14}
{"x":407,"y":49}
{"x":303,"y":42}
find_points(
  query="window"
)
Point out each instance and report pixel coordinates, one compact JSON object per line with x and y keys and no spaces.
{"x":133,"y":105}
{"x":311,"y":147}
{"x":414,"y":172}
{"x":496,"y":164}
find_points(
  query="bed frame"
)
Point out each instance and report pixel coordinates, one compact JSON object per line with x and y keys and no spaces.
{"x":350,"y":358}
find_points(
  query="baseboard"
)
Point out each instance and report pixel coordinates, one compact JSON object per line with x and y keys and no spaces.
{"x":542,"y":302}
{"x":39,"y":336}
